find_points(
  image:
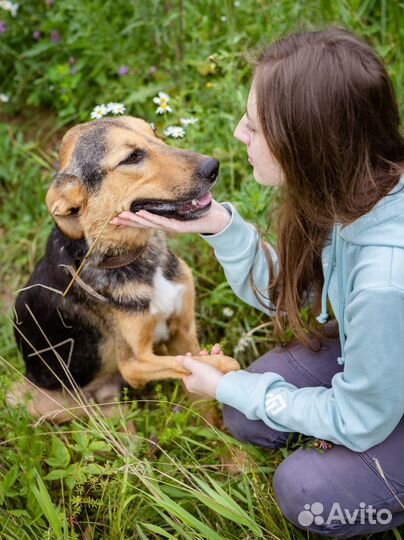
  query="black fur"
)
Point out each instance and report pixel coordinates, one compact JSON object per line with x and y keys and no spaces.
{"x":60,"y":320}
{"x":88,"y":155}
{"x":78,"y":316}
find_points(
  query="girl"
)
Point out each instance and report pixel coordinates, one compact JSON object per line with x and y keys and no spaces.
{"x":322,"y":124}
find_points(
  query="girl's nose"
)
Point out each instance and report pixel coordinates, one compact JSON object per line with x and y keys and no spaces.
{"x":241,"y":133}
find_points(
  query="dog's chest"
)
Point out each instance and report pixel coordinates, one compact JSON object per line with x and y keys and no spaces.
{"x":166,"y":300}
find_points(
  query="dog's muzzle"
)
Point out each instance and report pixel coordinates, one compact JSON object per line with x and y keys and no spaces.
{"x":195,"y":205}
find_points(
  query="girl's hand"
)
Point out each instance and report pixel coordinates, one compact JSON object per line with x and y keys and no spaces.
{"x":213,"y":222}
{"x":203,"y":379}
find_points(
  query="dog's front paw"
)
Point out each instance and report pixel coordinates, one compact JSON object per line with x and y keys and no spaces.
{"x":226,"y":364}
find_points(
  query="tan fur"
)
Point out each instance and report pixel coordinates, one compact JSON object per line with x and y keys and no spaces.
{"x":60,"y":406}
{"x":128,"y":347}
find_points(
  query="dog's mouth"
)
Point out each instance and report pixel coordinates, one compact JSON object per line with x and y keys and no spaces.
{"x":181,"y":210}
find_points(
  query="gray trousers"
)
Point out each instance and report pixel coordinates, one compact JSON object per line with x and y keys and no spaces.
{"x":339,"y":493}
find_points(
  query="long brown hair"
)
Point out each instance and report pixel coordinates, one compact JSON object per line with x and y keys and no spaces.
{"x":329,"y":116}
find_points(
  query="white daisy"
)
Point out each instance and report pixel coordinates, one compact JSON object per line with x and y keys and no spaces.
{"x":9,"y":6}
{"x":163,"y":108}
{"x":99,"y":111}
{"x":228,"y":312}
{"x":13,"y":9}
{"x":188,"y":121}
{"x":162,"y":96}
{"x":162,"y":101}
{"x":243,"y":344}
{"x":223,"y":18}
{"x":4,"y":98}
{"x":176,"y":132}
{"x":116,"y":108}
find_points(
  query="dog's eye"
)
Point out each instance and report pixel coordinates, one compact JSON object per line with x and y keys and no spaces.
{"x":134,"y":157}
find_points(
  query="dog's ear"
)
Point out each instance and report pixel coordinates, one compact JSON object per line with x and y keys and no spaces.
{"x":66,"y":199}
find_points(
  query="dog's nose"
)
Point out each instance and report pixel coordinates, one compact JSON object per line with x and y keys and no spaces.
{"x":209,"y":169}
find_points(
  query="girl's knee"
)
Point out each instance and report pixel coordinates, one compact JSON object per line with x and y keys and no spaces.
{"x":304,"y":497}
{"x":252,"y":431}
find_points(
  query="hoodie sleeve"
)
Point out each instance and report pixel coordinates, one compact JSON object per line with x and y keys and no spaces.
{"x":238,"y":249}
{"x":365,"y":401}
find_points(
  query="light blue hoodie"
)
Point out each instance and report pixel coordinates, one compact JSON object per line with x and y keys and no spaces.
{"x":363,"y":265}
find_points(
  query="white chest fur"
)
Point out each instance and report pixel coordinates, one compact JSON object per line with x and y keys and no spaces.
{"x":167,"y":299}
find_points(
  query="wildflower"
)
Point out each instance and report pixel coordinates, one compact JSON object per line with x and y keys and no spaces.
{"x":188,"y":121}
{"x":123,"y":70}
{"x":243,"y":343}
{"x":228,"y":312}
{"x":9,"y":6}
{"x":223,"y":18}
{"x":3,"y":27}
{"x":176,"y":409}
{"x":50,"y":2}
{"x":102,"y":110}
{"x":175,"y":132}
{"x":99,"y":111}
{"x":162,"y":101}
{"x":322,"y":445}
{"x":236,"y":3}
{"x":4,"y":98}
{"x":36,"y":34}
{"x":55,"y":36}
{"x":116,"y":108}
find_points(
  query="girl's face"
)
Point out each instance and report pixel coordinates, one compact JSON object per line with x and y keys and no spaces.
{"x":267,"y":170}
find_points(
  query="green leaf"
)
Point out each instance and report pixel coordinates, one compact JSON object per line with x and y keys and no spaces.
{"x":10,"y":478}
{"x":99,"y":446}
{"x":57,"y":474}
{"x":155,"y":529}
{"x":60,"y":454}
{"x":70,"y":482}
{"x":45,"y":503}
{"x":163,"y":501}
{"x":221,"y":502}
{"x":95,"y":469}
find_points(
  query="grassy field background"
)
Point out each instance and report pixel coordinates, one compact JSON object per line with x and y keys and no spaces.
{"x":59,"y":59}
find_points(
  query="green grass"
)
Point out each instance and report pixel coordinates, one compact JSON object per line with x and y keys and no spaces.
{"x":94,"y":479}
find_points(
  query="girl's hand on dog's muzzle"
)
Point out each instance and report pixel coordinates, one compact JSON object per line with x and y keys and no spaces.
{"x":203,"y":378}
{"x":213,"y":222}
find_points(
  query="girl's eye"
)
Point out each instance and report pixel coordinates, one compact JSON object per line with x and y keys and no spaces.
{"x":250,"y":129}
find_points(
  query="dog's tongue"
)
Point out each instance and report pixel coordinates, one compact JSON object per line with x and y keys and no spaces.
{"x":196,"y":204}
{"x":205,"y":199}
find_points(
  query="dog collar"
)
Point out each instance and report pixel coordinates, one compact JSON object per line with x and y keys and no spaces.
{"x":120,"y":261}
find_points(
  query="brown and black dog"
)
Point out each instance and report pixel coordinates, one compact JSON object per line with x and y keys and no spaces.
{"x":130,"y":309}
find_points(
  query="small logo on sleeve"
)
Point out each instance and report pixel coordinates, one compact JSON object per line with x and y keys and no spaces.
{"x":274,"y":403}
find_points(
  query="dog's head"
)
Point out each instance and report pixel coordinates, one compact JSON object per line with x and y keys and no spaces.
{"x":116,"y":164}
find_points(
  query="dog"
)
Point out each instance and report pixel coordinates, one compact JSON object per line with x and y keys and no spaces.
{"x":110,"y":304}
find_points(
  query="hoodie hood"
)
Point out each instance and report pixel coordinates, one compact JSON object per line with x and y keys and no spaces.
{"x":389,"y":211}
{"x":365,"y":231}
